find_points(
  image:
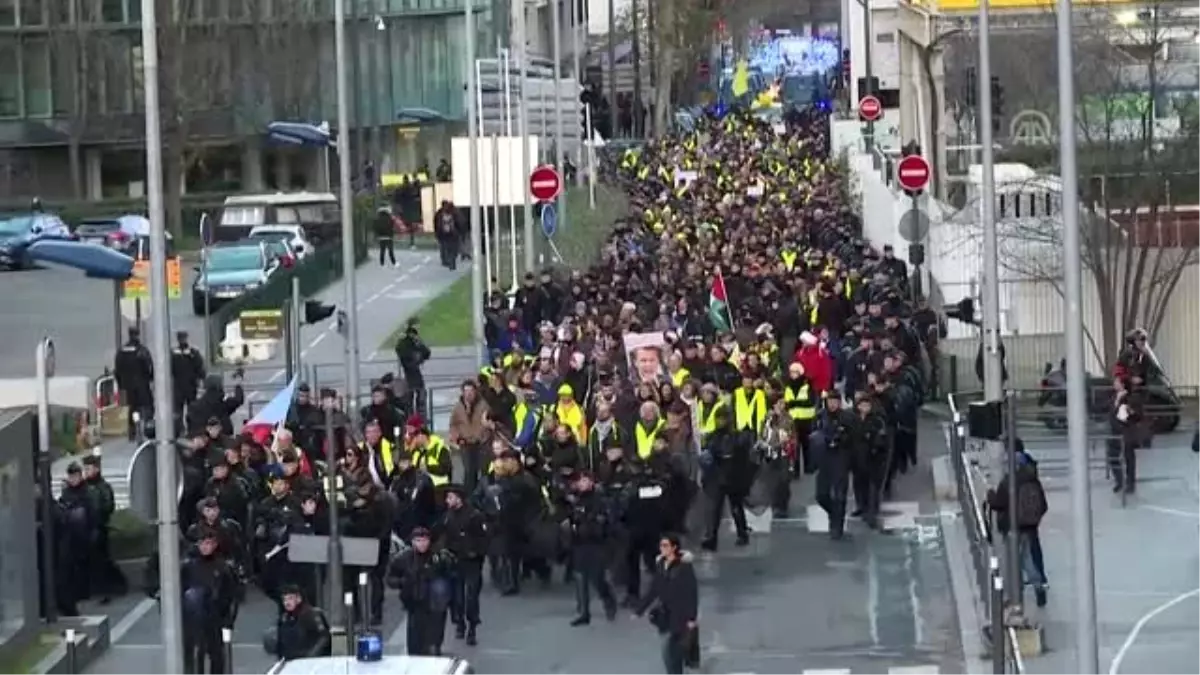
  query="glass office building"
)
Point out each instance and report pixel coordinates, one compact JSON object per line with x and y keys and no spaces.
{"x":71,"y":87}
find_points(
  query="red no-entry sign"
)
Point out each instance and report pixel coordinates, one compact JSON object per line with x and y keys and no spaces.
{"x":545,"y":184}
{"x":912,"y":173}
{"x":869,"y":108}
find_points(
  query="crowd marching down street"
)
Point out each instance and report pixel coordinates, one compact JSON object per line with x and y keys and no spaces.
{"x":736,"y":336}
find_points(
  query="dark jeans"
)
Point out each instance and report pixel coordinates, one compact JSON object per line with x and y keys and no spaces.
{"x":201,"y":644}
{"x":640,"y":551}
{"x":674,"y":652}
{"x":868,"y":486}
{"x":464,"y":597}
{"x":1122,"y":463}
{"x":737,"y":510}
{"x":588,"y":563}
{"x":426,"y":630}
{"x":832,"y":485}
{"x":387,"y":251}
{"x":472,"y":456}
{"x":801,"y":429}
{"x":448,"y":252}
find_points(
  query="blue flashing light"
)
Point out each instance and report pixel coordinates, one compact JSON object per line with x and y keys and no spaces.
{"x":368,"y":647}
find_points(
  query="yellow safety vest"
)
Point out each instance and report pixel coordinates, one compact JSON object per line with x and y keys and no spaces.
{"x":433,"y":459}
{"x":849,"y":289}
{"x":789,"y":259}
{"x":679,"y":376}
{"x":749,"y":412}
{"x":708,"y":418}
{"x":799,"y":403}
{"x":645,"y":439}
{"x":385,"y":454}
{"x":572,"y":417}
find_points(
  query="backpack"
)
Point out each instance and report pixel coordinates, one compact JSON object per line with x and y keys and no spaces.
{"x":1031,"y":503}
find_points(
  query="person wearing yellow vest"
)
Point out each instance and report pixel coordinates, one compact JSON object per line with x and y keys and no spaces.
{"x":646,"y":429}
{"x":431,"y":454}
{"x":729,"y":473}
{"x":380,"y":461}
{"x":570,"y":414}
{"x":800,"y":398}
{"x":679,"y":374}
{"x":706,"y":409}
{"x":749,"y":407}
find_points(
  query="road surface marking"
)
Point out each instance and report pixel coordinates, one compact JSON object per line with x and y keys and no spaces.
{"x":913,"y":670}
{"x":918,"y":625}
{"x":873,"y":595}
{"x":1169,"y":511}
{"x":1141,"y":623}
{"x":315,"y":341}
{"x":826,"y":671}
{"x":133,"y":616}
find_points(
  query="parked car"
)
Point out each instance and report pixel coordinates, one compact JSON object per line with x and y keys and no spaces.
{"x":18,"y":231}
{"x":129,"y":234}
{"x":292,"y":235}
{"x":230,"y":270}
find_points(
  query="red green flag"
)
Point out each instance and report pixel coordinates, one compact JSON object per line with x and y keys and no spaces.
{"x":718,"y":304}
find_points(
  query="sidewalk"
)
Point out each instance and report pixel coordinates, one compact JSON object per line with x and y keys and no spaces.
{"x":1146,"y":565}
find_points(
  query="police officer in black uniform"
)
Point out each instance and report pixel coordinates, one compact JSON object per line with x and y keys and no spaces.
{"x":727,"y":477}
{"x":833,"y":475}
{"x":462,"y":531}
{"x":211,"y":594}
{"x":589,"y":533}
{"x":412,"y":353}
{"x":301,"y":631}
{"x":871,"y":458}
{"x":75,"y":532}
{"x":134,"y":370}
{"x":107,"y":579}
{"x":187,"y":373}
{"x":422,"y":574}
{"x":645,"y":519}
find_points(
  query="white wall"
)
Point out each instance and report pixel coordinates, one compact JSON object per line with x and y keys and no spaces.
{"x":885,"y":55}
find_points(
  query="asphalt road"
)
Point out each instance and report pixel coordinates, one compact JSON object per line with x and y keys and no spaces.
{"x":77,"y":313}
{"x":792,"y":601}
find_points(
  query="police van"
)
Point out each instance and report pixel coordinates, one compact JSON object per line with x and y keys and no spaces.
{"x":389,"y":665}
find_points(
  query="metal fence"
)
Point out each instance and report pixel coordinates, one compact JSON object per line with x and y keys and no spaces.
{"x":985,"y":557}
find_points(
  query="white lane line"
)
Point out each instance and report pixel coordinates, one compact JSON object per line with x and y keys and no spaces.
{"x":918,"y":623}
{"x":1141,"y":623}
{"x":913,"y":670}
{"x":132,"y":617}
{"x":315,"y":341}
{"x":1169,"y":511}
{"x":826,"y":671}
{"x":873,"y":596}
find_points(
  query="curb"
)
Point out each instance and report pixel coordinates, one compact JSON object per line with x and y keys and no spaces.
{"x":967,"y":602}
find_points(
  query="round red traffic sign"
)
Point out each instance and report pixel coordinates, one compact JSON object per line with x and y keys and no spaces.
{"x":912,"y":173}
{"x":869,"y":108}
{"x":545,"y":184}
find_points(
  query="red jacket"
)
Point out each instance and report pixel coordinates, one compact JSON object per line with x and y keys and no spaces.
{"x":818,"y":366}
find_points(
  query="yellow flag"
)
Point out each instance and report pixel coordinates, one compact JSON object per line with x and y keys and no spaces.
{"x":741,"y":79}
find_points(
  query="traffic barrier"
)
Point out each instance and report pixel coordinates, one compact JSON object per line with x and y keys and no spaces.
{"x":109,"y":414}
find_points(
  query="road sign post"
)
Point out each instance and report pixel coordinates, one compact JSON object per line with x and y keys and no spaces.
{"x":545,"y":183}
{"x":912,"y":173}
{"x":869,"y":108}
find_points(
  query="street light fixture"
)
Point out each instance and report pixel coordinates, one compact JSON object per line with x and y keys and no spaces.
{"x":379,"y":24}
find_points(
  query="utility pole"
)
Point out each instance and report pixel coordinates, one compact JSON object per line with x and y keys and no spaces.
{"x":1084,"y":582}
{"x":170,"y":589}
{"x":522,"y":52}
{"x":575,"y":81}
{"x":993,"y":383}
{"x":636,"y":55}
{"x":559,"y":135}
{"x":612,"y":69}
{"x":473,"y":139}
{"x":347,"y":198}
{"x":868,"y":38}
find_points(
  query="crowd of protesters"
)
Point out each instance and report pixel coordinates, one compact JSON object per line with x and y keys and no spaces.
{"x":735,"y":333}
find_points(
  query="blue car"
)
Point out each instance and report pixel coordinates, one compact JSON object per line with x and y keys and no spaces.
{"x":17,"y":232}
{"x":229,"y":270}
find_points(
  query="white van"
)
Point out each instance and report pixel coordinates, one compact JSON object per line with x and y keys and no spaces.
{"x":317,"y":212}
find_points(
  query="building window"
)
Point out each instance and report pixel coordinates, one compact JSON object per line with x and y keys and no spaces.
{"x":111,"y":11}
{"x":10,"y":79}
{"x":8,"y":12}
{"x":118,"y":83}
{"x":138,"y":77}
{"x":63,"y":63}
{"x":135,"y":11}
{"x":35,"y":64}
{"x":33,"y":13}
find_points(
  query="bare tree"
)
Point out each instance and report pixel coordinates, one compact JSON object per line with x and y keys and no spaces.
{"x":73,"y":44}
{"x":1137,"y":155}
{"x":279,"y":66}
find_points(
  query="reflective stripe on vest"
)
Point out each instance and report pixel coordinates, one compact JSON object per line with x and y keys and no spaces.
{"x":645,"y":439}
{"x":679,"y":376}
{"x":799,"y":403}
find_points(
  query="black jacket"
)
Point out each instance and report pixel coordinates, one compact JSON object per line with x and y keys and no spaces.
{"x":302,"y":634}
{"x":675,"y":595}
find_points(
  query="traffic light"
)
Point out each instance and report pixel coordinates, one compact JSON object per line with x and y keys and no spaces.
{"x":586,"y":98}
{"x":963,"y":310}
{"x":997,"y":104}
{"x":316,"y":311}
{"x":971,"y":88}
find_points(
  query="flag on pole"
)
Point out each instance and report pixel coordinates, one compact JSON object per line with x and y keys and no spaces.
{"x":718,"y":305}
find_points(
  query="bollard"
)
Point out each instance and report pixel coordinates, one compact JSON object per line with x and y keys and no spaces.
{"x":72,"y":653}
{"x":348,"y":599}
{"x":364,"y":599}
{"x":227,"y":644}
{"x":999,"y":632}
